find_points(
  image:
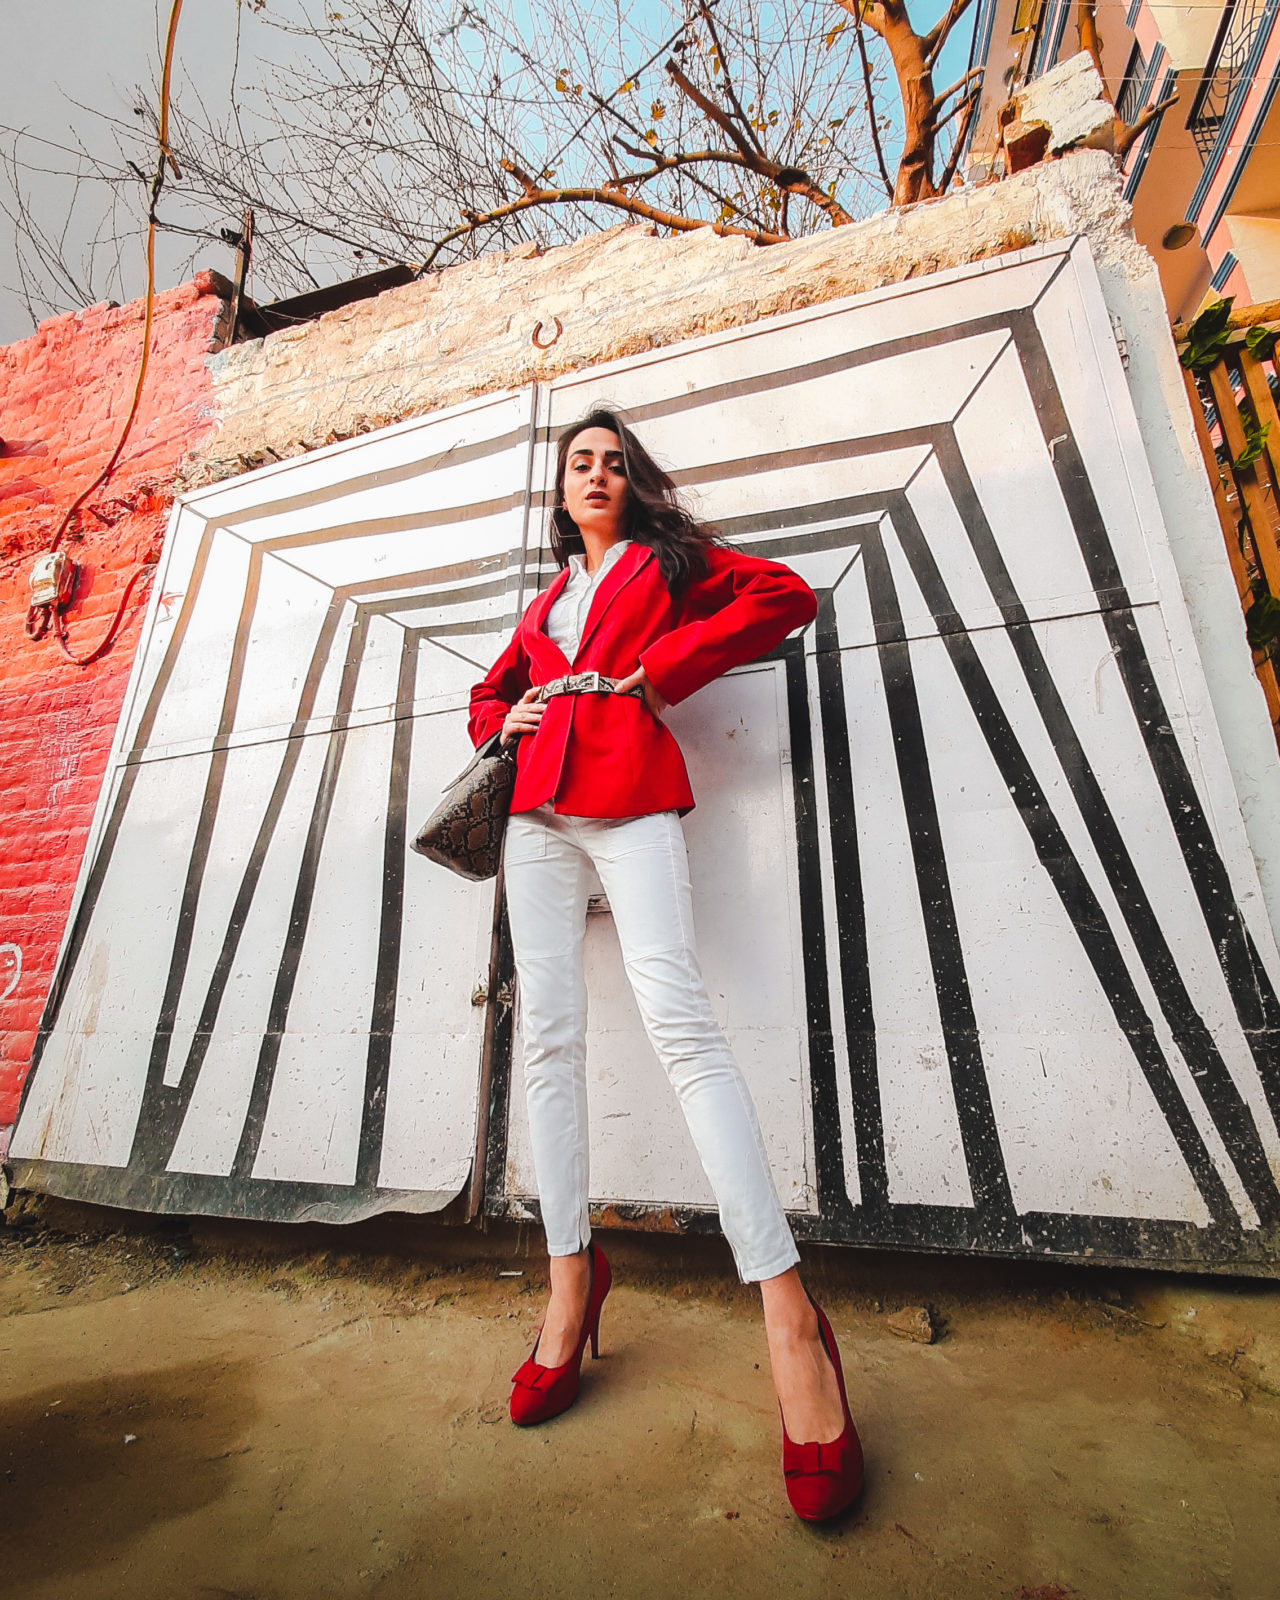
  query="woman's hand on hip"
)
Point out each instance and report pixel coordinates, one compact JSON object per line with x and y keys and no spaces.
{"x":656,"y":704}
{"x":523,"y":717}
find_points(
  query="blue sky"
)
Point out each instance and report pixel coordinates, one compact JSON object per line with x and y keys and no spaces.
{"x":70,"y":61}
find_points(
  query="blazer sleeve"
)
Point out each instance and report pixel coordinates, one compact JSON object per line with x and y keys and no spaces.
{"x":740,"y":609}
{"x":499,"y":689}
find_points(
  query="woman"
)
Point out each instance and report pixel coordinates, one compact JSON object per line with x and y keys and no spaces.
{"x":648,"y":607}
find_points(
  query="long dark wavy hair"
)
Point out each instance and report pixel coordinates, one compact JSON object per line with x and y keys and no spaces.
{"x":655,"y":515}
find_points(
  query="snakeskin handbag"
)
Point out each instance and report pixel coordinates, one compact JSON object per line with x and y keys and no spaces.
{"x":464,"y":832}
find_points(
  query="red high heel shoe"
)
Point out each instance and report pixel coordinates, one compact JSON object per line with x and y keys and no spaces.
{"x":539,"y":1393}
{"x":823,"y":1479}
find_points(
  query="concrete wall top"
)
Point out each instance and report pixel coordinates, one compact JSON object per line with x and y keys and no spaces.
{"x":470,"y":329}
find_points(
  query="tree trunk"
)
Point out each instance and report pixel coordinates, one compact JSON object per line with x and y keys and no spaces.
{"x":908,"y":52}
{"x":915,"y":171}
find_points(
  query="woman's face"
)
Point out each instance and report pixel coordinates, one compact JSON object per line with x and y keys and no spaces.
{"x":595,"y":483}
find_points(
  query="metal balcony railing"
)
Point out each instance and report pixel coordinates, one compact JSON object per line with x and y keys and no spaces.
{"x":1131,"y":98}
{"x":1225,"y":70}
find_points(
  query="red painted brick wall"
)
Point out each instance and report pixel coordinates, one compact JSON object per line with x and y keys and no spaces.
{"x":64,"y":394}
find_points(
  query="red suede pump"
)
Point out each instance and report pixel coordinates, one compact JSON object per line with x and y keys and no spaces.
{"x":823,"y":1479}
{"x":539,"y":1393}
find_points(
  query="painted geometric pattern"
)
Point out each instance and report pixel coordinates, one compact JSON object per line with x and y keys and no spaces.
{"x":1035,"y":987}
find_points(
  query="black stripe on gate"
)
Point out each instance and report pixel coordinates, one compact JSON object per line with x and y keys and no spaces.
{"x":834,"y":1202}
{"x":299,"y":914}
{"x":386,"y":980}
{"x":851,"y":920}
{"x":988,"y":1179}
{"x":165,"y":1106}
{"x":1064,"y":871}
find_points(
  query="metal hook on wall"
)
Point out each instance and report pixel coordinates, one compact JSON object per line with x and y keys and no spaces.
{"x":545,"y":344}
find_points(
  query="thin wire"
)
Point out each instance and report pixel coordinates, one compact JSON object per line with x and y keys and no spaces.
{"x":39,"y":617}
{"x":82,"y":155}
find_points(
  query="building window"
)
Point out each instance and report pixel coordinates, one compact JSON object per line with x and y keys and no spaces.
{"x":1225,"y":70}
{"x":1225,"y":268}
{"x":1133,"y":86}
{"x":1167,"y":86}
{"x":1052,"y":25}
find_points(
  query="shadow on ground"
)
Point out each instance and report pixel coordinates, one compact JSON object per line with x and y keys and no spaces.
{"x":90,"y":1466}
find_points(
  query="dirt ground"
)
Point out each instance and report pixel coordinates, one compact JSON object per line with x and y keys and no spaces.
{"x":210,"y":1412}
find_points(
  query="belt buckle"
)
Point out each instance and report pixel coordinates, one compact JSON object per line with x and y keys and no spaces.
{"x":592,"y":684}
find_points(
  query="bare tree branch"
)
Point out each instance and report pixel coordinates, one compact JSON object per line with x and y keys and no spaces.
{"x":962,"y":104}
{"x":713,"y":113}
{"x":384,"y":137}
{"x":970,"y":105}
{"x":938,"y":35}
{"x":610,"y":196}
{"x":1125,"y":141}
{"x":704,"y":11}
{"x":871,"y":104}
{"x":1125,"y":135}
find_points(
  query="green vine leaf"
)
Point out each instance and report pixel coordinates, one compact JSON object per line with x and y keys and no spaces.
{"x":1207,"y":336}
{"x":1262,"y":622}
{"x":1255,"y":437}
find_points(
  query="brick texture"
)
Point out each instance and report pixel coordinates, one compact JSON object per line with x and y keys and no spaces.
{"x":64,"y":394}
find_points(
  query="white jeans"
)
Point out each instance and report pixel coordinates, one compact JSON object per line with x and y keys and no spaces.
{"x":644,"y":869}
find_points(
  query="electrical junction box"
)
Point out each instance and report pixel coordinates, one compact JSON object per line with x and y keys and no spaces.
{"x":53,"y":577}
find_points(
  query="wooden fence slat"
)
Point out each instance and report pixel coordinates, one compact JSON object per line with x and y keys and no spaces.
{"x":1264,"y":408}
{"x":1230,"y":533}
{"x":1262,"y":664}
{"x":1253,"y":492}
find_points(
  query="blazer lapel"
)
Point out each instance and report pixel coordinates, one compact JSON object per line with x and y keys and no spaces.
{"x":619,"y":575}
{"x":536,"y":617}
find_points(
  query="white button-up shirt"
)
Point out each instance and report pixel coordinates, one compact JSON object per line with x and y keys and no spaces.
{"x":568,"y":616}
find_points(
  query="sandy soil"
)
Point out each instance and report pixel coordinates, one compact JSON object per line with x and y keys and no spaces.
{"x":181,"y":1418}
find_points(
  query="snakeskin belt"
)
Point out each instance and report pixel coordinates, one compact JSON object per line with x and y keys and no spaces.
{"x":584,"y":683}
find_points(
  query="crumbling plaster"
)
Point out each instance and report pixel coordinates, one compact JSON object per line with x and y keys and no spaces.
{"x":470,"y":330}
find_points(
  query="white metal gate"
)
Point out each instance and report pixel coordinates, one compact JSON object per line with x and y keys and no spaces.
{"x":974,"y":897}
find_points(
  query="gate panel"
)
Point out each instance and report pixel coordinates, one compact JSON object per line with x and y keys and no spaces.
{"x":264,"y":1006}
{"x":1040,"y":1011}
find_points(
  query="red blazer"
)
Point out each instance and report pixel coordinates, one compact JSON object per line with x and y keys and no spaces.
{"x":603,"y":755}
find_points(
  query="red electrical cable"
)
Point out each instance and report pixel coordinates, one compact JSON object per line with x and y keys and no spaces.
{"x":40,"y":617}
{"x":60,"y":623}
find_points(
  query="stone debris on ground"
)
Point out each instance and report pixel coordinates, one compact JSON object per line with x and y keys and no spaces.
{"x":912,"y":1322}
